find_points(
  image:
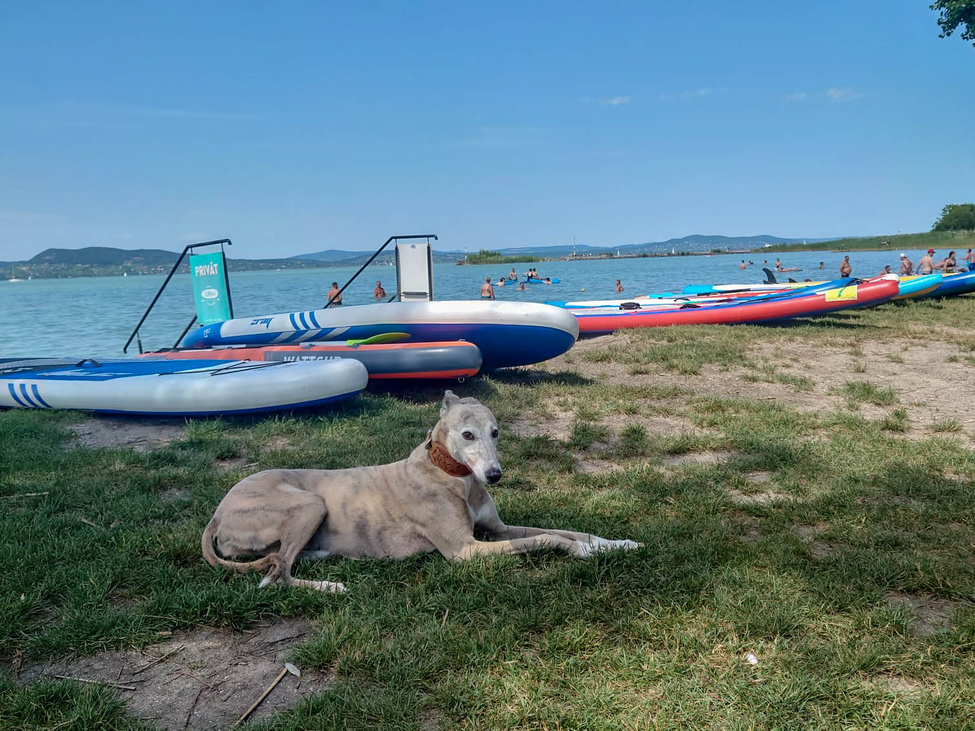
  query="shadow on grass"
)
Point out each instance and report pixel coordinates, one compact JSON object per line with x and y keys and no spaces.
{"x":531,"y":377}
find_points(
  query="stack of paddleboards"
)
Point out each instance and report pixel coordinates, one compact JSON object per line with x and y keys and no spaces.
{"x":396,"y":339}
{"x":161,"y":387}
{"x":745,"y":307}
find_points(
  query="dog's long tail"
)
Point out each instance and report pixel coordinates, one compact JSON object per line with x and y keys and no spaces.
{"x":271,"y":561}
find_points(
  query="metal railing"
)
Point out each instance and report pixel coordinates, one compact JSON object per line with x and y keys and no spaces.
{"x":135,"y":333}
{"x":390,"y":240}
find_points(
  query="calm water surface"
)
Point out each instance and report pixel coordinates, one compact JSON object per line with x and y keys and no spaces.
{"x":93,"y":317}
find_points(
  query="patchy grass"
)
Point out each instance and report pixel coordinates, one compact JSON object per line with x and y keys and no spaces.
{"x":681,"y":350}
{"x":947,"y":426}
{"x":895,"y":421}
{"x":858,"y":392}
{"x":825,"y":544}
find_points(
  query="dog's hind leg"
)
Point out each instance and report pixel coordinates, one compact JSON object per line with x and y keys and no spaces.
{"x":305,"y":516}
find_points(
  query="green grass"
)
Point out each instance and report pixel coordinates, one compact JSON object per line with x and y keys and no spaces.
{"x":932,"y":239}
{"x":684,"y":350}
{"x":866,"y":392}
{"x":895,"y":421}
{"x":788,"y":547}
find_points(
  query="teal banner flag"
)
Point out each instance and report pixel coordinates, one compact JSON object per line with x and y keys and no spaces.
{"x":210,"y":287}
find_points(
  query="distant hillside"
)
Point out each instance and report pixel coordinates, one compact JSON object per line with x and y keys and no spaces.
{"x":93,"y":261}
{"x":695,"y":242}
{"x":339,"y":257}
{"x":98,"y":261}
{"x":105,"y":256}
{"x":329,"y":255}
{"x":698,"y":242}
{"x":938,"y":240}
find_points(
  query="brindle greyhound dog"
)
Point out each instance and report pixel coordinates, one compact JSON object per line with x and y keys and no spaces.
{"x":434,"y":499}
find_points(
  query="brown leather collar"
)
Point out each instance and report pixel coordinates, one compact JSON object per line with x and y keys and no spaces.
{"x":442,"y":459}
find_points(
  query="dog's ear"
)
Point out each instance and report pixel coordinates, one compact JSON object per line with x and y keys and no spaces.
{"x":449,"y":399}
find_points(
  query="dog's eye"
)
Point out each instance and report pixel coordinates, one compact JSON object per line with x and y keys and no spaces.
{"x":468,"y":436}
{"x":494,"y":433}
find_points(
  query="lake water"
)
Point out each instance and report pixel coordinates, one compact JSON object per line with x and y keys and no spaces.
{"x":93,"y":317}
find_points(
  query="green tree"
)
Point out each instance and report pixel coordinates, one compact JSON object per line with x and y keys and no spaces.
{"x":955,"y":13}
{"x":956,"y":217}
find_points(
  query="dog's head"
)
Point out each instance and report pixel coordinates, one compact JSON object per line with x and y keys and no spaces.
{"x":469,"y":431}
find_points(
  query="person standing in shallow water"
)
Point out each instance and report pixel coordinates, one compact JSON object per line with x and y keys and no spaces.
{"x":334,"y":296}
{"x":907,"y":266}
{"x":619,"y":286}
{"x":926,"y":264}
{"x":379,"y":294}
{"x":845,"y":267}
{"x":487,"y":291}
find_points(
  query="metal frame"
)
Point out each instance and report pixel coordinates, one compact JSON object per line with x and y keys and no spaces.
{"x":188,"y":248}
{"x":390,"y":240}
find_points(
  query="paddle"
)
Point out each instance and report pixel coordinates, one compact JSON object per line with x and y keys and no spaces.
{"x":380,"y":339}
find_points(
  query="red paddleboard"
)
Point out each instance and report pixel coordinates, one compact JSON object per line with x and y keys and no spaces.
{"x":874,"y":292}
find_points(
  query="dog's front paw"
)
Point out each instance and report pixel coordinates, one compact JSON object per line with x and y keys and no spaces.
{"x":332,"y":586}
{"x":623,"y":545}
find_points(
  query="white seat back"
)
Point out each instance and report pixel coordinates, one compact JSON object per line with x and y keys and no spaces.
{"x":414,"y":272}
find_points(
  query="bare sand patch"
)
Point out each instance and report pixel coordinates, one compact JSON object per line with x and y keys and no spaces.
{"x":206,"y":678}
{"x":916,"y":371}
{"x":278,"y":442}
{"x":597,"y":466}
{"x":697,"y":458}
{"x":757,"y":498}
{"x":931,"y":615}
{"x":809,"y":531}
{"x":894,"y":684}
{"x":141,"y":435}
{"x":557,"y":424}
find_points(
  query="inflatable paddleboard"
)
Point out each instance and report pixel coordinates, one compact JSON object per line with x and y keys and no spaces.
{"x":951,"y":285}
{"x":507,"y":333}
{"x":764,"y":287}
{"x":911,"y":287}
{"x":159,"y":387}
{"x":668,"y":299}
{"x":762,"y":309}
{"x":385,"y":361}
{"x":551,"y":280}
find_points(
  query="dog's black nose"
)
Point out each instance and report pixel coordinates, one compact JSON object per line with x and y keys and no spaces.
{"x":493,"y":475}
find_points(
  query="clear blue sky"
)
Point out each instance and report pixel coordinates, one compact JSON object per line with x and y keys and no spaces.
{"x":296,"y":127}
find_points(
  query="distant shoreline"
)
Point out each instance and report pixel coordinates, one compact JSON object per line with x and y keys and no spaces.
{"x":942,"y":240}
{"x":24,"y":272}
